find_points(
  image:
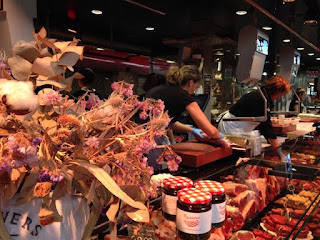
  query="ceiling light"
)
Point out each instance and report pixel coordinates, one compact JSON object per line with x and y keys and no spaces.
{"x":274,"y":73}
{"x":311,"y":17}
{"x":267,"y":28}
{"x":267,"y":61}
{"x":286,"y":40}
{"x":96,"y":12}
{"x":71,"y":30}
{"x":99,"y":49}
{"x":264,"y":74}
{"x":237,"y":54}
{"x":287,"y":1}
{"x":311,"y":54}
{"x":300,"y":48}
{"x":149,"y":28}
{"x":318,"y":58}
{"x":170,"y":61}
{"x":219,"y":53}
{"x":241,"y":13}
{"x":311,"y":22}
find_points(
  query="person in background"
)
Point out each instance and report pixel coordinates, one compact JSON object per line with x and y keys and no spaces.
{"x":152,"y":80}
{"x":85,"y":83}
{"x":176,"y":95}
{"x":252,"y":105}
{"x":294,"y":104}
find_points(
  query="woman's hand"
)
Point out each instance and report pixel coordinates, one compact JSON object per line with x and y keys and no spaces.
{"x":198,"y":132}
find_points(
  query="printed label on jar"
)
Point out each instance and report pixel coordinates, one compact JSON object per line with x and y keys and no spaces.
{"x":218,"y":212}
{"x":193,"y":223}
{"x":169,"y":204}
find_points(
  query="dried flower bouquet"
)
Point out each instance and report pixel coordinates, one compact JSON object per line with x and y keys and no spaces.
{"x":60,"y":148}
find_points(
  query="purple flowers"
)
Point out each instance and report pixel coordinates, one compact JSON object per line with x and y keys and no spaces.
{"x":51,"y":97}
{"x":19,"y":152}
{"x":123,"y":88}
{"x":93,"y":100}
{"x":92,"y":142}
{"x":44,"y":176}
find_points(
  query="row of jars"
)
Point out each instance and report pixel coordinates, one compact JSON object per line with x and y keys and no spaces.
{"x":196,"y":208}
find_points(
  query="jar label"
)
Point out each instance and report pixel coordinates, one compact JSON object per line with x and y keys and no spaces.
{"x":169,"y":204}
{"x":218,"y":212}
{"x":193,"y":223}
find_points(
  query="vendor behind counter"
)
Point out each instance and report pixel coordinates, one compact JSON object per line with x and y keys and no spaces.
{"x":252,"y":105}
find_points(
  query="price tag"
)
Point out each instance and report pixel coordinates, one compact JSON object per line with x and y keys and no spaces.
{"x":138,"y":232}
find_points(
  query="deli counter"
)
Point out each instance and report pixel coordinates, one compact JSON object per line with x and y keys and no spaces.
{"x":265,"y":198}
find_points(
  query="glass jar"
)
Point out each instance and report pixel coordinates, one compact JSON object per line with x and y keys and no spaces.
{"x":171,"y":186}
{"x":217,"y":191}
{"x":193,"y":214}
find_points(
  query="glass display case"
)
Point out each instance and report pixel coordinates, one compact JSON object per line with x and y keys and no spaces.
{"x":267,"y":198}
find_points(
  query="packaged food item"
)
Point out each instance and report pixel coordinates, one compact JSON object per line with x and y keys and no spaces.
{"x":193,"y":214}
{"x":217,"y":191}
{"x":171,"y":186}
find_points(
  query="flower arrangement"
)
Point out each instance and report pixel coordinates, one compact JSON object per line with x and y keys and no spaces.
{"x":61,"y":148}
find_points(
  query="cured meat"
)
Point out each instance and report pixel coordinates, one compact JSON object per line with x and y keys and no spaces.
{"x":243,"y":235}
{"x":278,"y":211}
{"x":277,"y":219}
{"x":227,"y":228}
{"x":249,"y":210}
{"x":227,"y":178}
{"x":258,"y":185}
{"x":233,"y":189}
{"x":242,"y":199}
{"x":236,"y":217}
{"x":257,"y":233}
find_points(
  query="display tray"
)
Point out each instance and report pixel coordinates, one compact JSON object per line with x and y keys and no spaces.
{"x":195,"y":154}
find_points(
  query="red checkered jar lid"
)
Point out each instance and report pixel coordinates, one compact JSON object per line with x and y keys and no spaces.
{"x":215,"y":188}
{"x":178,"y":182}
{"x":194,"y":196}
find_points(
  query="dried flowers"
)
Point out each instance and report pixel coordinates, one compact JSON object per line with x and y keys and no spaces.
{"x":91,"y":147}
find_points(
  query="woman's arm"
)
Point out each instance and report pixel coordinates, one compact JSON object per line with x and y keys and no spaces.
{"x":180,"y":127}
{"x":274,"y":142}
{"x":201,"y":120}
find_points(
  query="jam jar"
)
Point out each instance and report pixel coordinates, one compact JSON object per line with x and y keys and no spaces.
{"x":218,"y":200}
{"x":171,"y":186}
{"x":193,"y":214}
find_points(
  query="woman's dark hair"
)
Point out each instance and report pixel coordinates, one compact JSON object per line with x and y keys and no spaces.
{"x":153,"y":80}
{"x":181,"y":76}
{"x":276,"y":85}
{"x":300,"y":92}
{"x":89,"y":76}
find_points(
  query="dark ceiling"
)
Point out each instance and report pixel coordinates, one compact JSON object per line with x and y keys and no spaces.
{"x":177,"y":23}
